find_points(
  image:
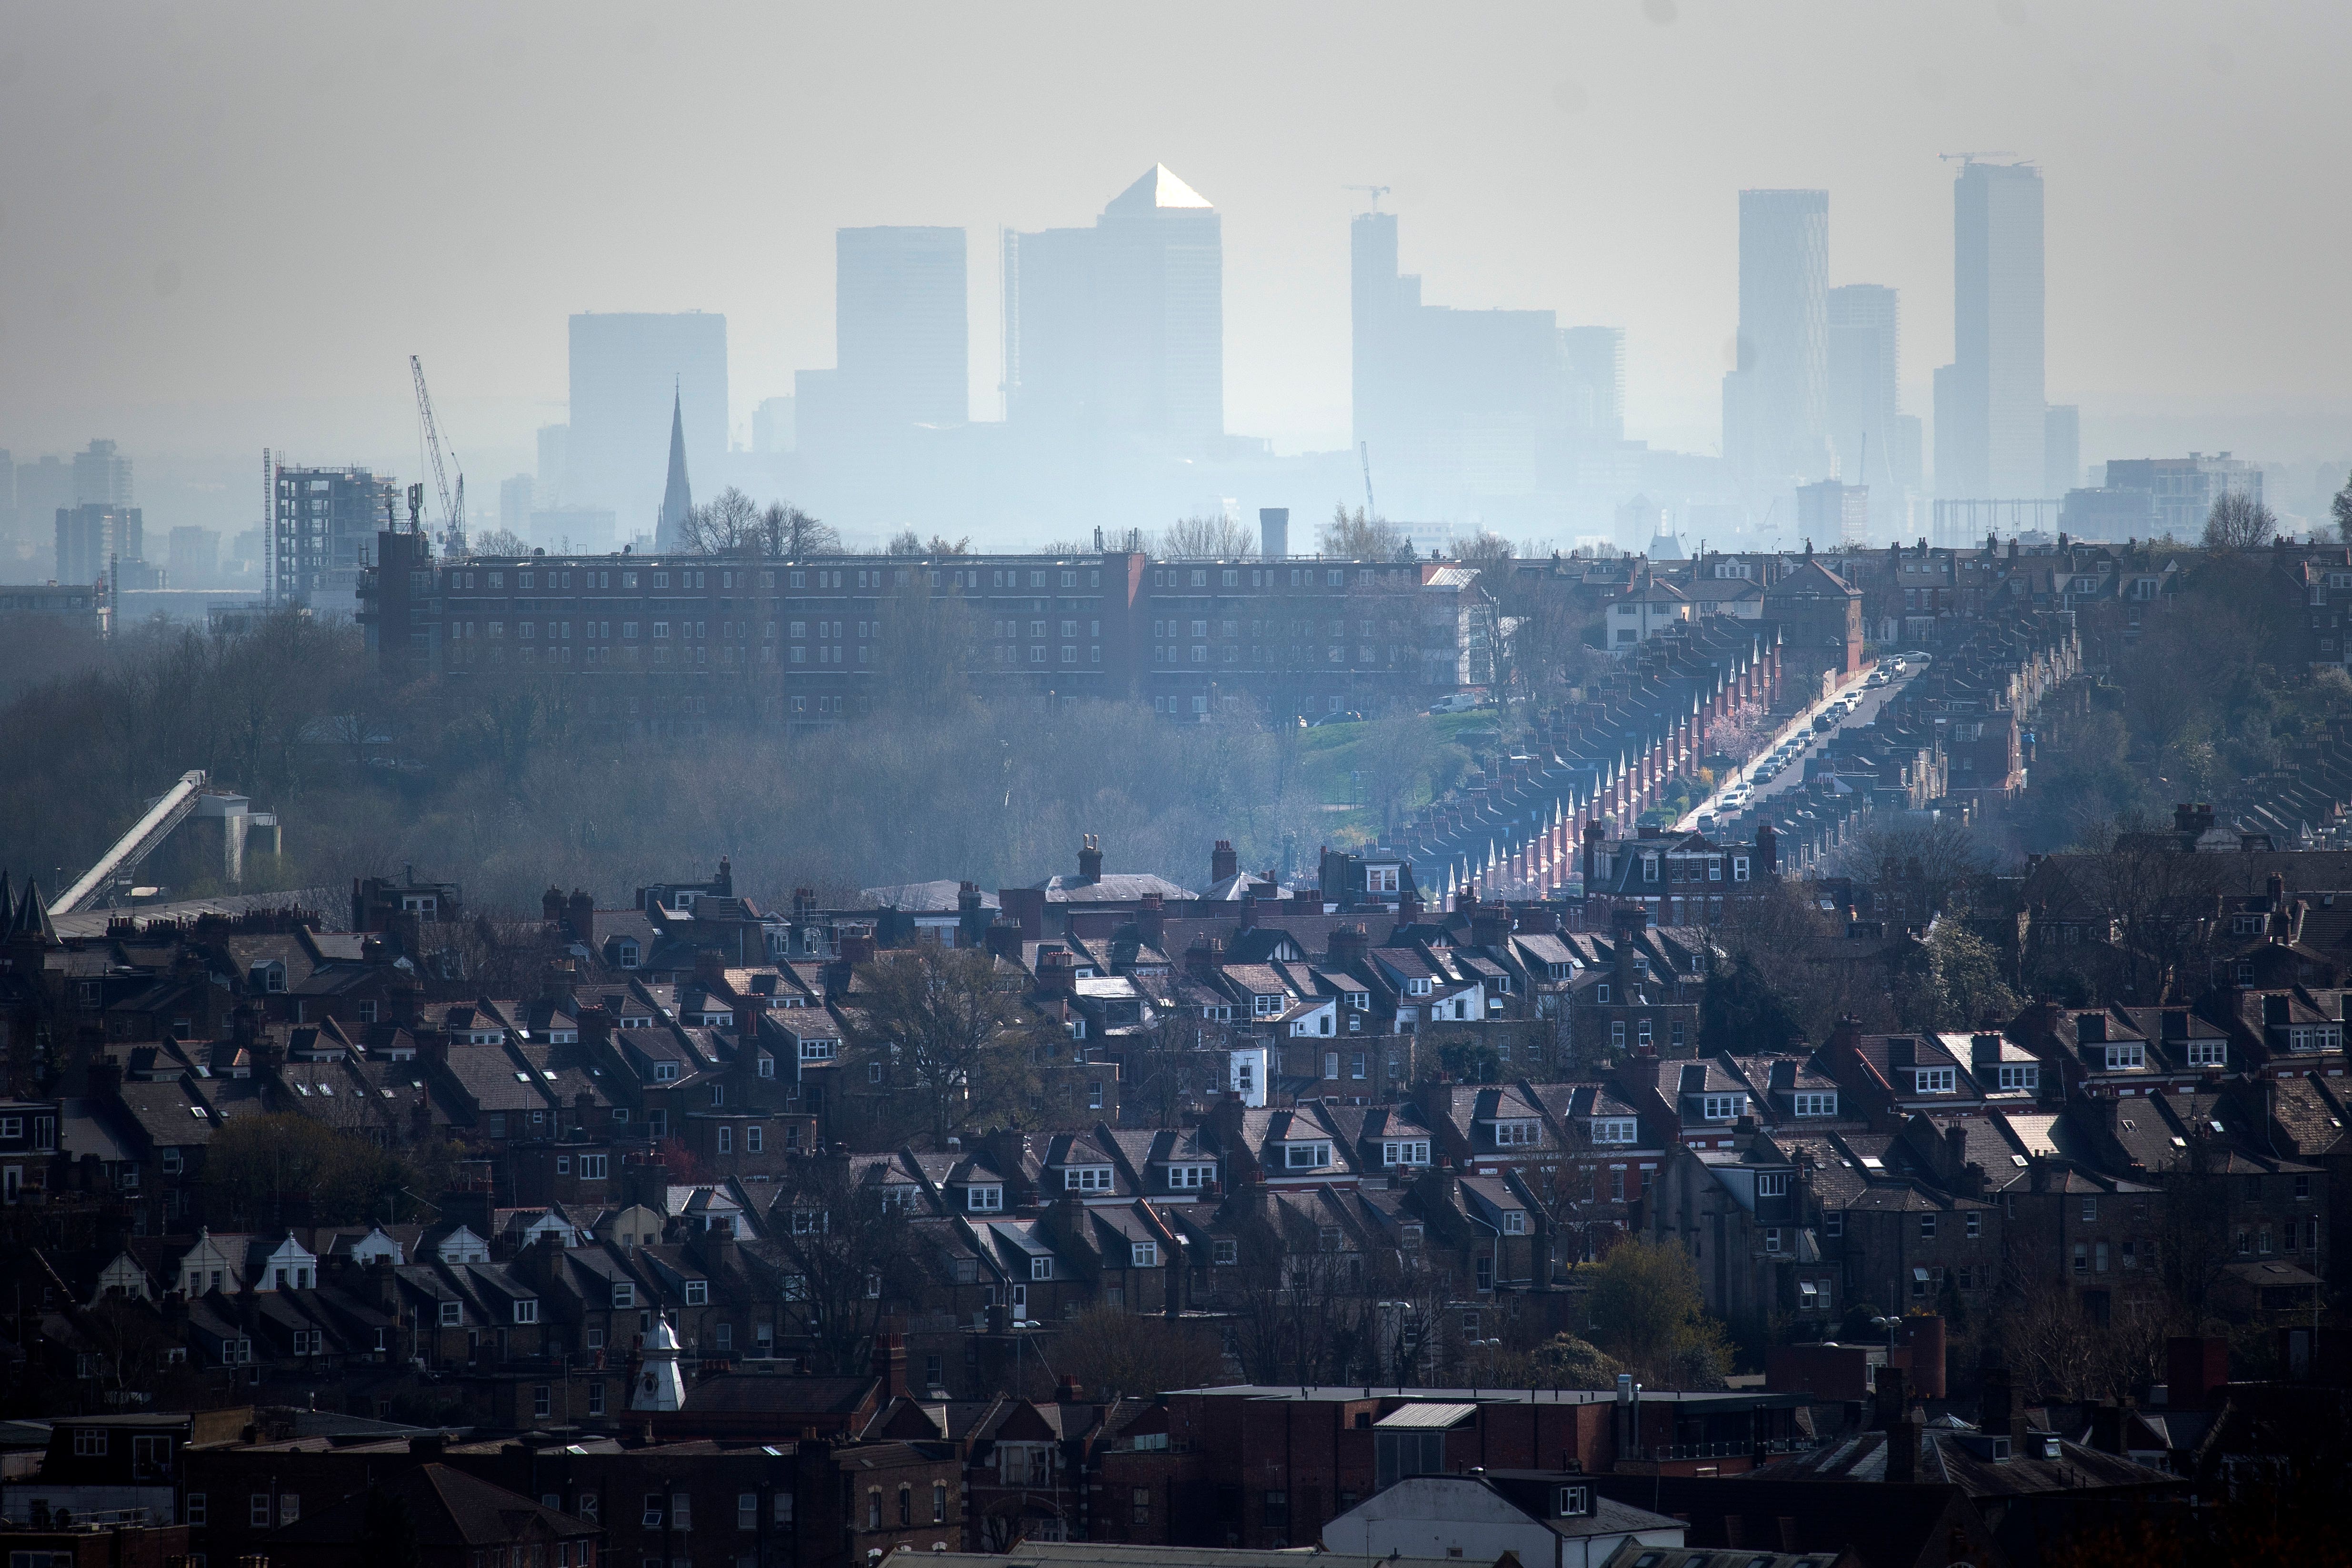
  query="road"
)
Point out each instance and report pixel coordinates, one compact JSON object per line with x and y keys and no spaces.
{"x":1792,"y":774}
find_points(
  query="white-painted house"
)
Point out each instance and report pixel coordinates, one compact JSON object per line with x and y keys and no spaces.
{"x":1548,"y":1519}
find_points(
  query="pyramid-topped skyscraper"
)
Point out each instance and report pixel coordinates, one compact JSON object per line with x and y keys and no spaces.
{"x":1118,"y":331}
{"x":678,"y":496}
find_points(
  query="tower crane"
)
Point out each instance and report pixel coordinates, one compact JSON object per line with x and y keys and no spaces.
{"x":452,"y":511}
{"x":1371,"y":193}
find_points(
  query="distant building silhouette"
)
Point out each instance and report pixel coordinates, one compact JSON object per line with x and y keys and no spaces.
{"x":1988,"y":400}
{"x":93,"y":536}
{"x":1489,"y":403}
{"x":1118,"y":331}
{"x":621,"y":364}
{"x":1776,"y":399}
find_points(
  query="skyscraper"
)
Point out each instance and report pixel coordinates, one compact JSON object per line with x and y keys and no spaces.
{"x":1775,"y":401}
{"x":1596,"y":380}
{"x":1457,"y":403}
{"x":102,"y":476}
{"x":1864,"y":363}
{"x":902,"y":340}
{"x":1988,"y":400}
{"x":614,"y":454}
{"x":1119,"y":329}
{"x":323,"y":533}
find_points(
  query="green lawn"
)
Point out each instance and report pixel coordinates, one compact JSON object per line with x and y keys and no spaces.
{"x":1332,"y":753}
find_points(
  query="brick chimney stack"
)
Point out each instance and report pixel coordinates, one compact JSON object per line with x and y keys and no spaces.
{"x":1090,"y":858}
{"x":1057,"y":973}
{"x":550,"y":905}
{"x":1349,"y":944}
{"x":1223,"y":863}
{"x":580,"y":915}
{"x":1004,"y":938}
{"x":1151,"y":919}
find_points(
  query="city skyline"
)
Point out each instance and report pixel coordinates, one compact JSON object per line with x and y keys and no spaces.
{"x":1618,"y":229}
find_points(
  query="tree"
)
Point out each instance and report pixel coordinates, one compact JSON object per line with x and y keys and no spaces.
{"x":905,"y":541}
{"x":848,"y":1256}
{"x":1353,"y":536}
{"x":2342,"y":506}
{"x":1212,"y":536}
{"x":1741,"y":1010}
{"x":725,"y":525}
{"x":926,"y":644}
{"x":787,"y":533}
{"x":1648,"y":1313}
{"x":498,"y":542}
{"x":390,"y":1531}
{"x":1181,"y":1057}
{"x":1562,"y":1361}
{"x":2238,"y":522}
{"x":952,"y":1039}
{"x":1113,"y":1351}
{"x":1958,"y":987}
{"x":280,"y":1169}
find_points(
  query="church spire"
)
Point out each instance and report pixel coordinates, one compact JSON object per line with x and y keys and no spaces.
{"x":677,"y":498}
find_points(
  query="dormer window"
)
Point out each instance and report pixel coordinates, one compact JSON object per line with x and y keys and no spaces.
{"x":1813,"y":1103}
{"x":664,"y":1072}
{"x":819,"y":1050}
{"x":2026,"y":1076}
{"x":1306,"y":1156}
{"x":1721,"y":1107}
{"x":1086,"y":1178}
{"x":1615,"y":1130}
{"x":1572,"y":1502}
{"x":1515,"y":1134}
{"x":1379,"y":879}
{"x":1266,"y":1006}
{"x":1515,"y":1222}
{"x":987,"y":1199}
{"x":1773,"y":1184}
{"x":1416,"y":988}
{"x":1405,"y":1152}
{"x":1189,"y":1177}
{"x":1934,"y":1080}
{"x":2126,"y":1058}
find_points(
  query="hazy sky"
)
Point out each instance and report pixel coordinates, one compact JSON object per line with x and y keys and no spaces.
{"x":226,"y":225}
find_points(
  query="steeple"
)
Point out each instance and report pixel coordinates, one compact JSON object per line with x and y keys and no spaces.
{"x":677,"y":498}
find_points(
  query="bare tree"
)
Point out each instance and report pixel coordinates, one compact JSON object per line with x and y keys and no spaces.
{"x":725,"y":525}
{"x":496,"y":541}
{"x":951,"y":1039}
{"x":788,"y":533}
{"x":846,"y":1255}
{"x":1356,"y":535}
{"x":1212,"y":536}
{"x":2239,"y":522}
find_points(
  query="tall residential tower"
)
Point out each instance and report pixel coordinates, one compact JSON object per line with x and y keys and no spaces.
{"x":1775,"y":401}
{"x":1988,"y":400}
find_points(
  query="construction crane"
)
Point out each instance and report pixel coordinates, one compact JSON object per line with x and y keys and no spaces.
{"x":1371,"y":512}
{"x":1970,"y":157}
{"x":1372,"y":193}
{"x":452,"y":511}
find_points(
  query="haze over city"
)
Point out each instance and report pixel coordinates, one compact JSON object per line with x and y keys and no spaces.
{"x":189,"y":274}
{"x":1044,"y":785}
